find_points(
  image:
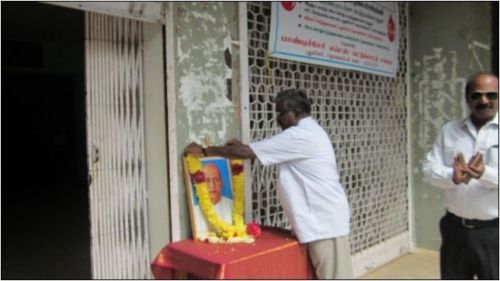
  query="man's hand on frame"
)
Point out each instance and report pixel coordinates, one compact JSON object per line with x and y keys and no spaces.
{"x":194,"y":149}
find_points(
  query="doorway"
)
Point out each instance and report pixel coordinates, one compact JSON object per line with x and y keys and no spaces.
{"x":45,"y":205}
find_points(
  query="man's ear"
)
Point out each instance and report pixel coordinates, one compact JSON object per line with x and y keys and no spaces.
{"x":294,"y":116}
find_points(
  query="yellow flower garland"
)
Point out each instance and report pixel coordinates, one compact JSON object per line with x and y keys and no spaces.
{"x":222,"y":229}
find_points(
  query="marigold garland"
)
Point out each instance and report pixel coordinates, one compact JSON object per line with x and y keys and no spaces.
{"x":229,"y":232}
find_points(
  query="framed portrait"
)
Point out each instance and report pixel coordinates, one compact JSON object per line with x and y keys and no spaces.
{"x":217,"y":172}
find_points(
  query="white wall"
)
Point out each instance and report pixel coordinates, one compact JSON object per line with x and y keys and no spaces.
{"x":156,"y":138}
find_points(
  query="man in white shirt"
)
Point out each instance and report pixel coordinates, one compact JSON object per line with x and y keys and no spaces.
{"x":469,"y":230}
{"x":222,"y":205}
{"x":309,"y":187}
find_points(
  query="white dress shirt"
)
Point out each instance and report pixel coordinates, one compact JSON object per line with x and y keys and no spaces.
{"x":479,"y":198}
{"x":309,"y":190}
{"x":224,"y":208}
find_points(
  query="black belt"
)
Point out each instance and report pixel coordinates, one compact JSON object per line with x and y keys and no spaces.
{"x":472,"y":223}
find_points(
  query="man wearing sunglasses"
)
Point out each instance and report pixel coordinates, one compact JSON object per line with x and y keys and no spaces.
{"x":464,"y":163}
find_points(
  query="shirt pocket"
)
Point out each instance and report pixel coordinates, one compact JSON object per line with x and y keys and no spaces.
{"x":492,"y":156}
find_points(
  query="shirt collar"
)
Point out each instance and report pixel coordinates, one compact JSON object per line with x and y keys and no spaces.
{"x":305,"y":119}
{"x":466,"y":120}
{"x":495,"y":120}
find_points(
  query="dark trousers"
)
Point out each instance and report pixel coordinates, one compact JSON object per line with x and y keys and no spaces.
{"x":468,"y":252}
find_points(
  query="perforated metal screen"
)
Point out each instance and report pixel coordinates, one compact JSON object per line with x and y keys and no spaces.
{"x":365,"y":117}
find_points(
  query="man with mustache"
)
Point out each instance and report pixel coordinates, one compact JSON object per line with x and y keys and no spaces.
{"x":464,"y":163}
{"x":309,"y":186}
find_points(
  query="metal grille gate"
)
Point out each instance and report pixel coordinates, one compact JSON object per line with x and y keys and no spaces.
{"x":115,"y":132}
{"x":365,"y":116}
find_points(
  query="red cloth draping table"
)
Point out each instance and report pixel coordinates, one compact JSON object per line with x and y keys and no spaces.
{"x":274,"y":255}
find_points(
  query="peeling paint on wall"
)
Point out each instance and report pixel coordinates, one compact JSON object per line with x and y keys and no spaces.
{"x":448,"y":44}
{"x":203,"y":16}
{"x":204,"y":74}
{"x":478,"y":50}
{"x":228,"y":60}
{"x":437,"y":86}
{"x":203,"y":111}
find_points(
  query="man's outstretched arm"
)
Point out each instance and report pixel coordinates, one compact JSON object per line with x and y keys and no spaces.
{"x":232,"y":149}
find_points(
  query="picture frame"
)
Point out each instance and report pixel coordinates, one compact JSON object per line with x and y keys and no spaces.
{"x":218,"y":176}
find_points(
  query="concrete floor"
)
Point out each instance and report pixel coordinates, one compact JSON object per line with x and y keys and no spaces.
{"x":419,"y":264}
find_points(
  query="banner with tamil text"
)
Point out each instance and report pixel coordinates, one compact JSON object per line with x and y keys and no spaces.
{"x":359,"y":36}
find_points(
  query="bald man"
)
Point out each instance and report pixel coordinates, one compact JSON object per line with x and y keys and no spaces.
{"x":464,"y":164}
{"x":223,"y":205}
{"x":214,"y":182}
